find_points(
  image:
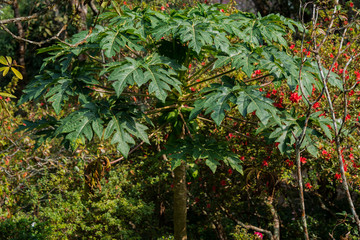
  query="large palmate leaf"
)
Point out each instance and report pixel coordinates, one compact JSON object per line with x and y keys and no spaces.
{"x":251,"y":100}
{"x":59,"y":93}
{"x":240,"y":57}
{"x":37,"y":88}
{"x":200,"y":147}
{"x":126,"y":73}
{"x":113,"y":40}
{"x":257,"y":30}
{"x":80,"y":125}
{"x":196,"y":33}
{"x":158,"y":71}
{"x":122,"y":127}
{"x":218,"y":98}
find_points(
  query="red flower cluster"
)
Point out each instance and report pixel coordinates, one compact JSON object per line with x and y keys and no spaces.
{"x":326,"y":154}
{"x":337,"y":176}
{"x":279,"y":103}
{"x":295,"y":98}
{"x":357,"y":75}
{"x":289,"y":162}
{"x":256,"y":72}
{"x":316,"y":105}
{"x":303,"y":160}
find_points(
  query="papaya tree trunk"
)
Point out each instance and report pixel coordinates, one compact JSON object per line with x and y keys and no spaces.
{"x":180,"y":199}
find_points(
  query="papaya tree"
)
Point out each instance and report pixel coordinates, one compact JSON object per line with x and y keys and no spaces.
{"x":140,"y":70}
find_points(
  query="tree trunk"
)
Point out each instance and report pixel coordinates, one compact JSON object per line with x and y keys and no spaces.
{"x":22,"y":44}
{"x":81,"y":9}
{"x":276,"y":219}
{"x":301,"y":193}
{"x":180,"y":199}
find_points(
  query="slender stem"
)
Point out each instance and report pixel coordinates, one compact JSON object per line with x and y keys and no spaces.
{"x":202,"y":70}
{"x":161,"y":109}
{"x":186,"y":126}
{"x":301,"y":192}
{"x":211,"y":78}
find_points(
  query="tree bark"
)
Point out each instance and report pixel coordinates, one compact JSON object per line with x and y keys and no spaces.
{"x":22,"y":44}
{"x":180,"y":199}
{"x":276,"y":219}
{"x":301,"y":193}
{"x":81,"y":9}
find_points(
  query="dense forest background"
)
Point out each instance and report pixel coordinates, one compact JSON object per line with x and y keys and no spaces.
{"x":250,"y":132}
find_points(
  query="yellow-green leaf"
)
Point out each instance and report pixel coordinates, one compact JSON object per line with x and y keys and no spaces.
{"x":17,"y":73}
{"x":3,"y":94}
{"x":9,"y":59}
{"x":3,"y":60}
{"x":6,"y":70}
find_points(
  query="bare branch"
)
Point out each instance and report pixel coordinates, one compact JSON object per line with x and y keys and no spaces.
{"x":20,"y":19}
{"x":56,"y":37}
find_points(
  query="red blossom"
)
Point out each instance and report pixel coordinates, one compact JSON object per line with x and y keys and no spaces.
{"x":295,"y":98}
{"x":357,"y":75}
{"x":289,"y":162}
{"x":223,"y":183}
{"x":265,"y":163}
{"x":230,"y":171}
{"x":316,"y":105}
{"x":162,"y":8}
{"x":292,"y":46}
{"x":256,"y":72}
{"x":348,"y":117}
{"x":351,"y":4}
{"x":308,"y":186}
{"x":303,"y":160}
